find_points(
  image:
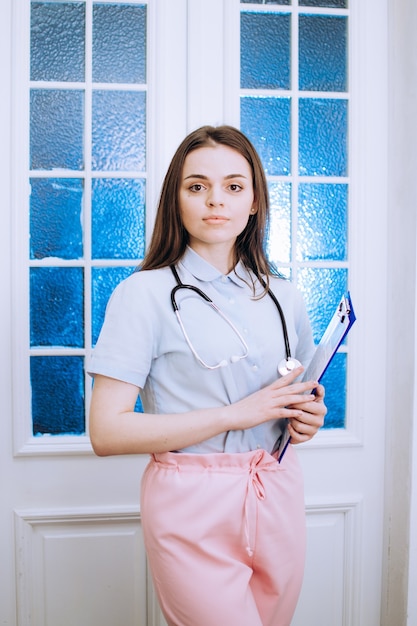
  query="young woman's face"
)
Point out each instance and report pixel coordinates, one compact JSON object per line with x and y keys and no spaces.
{"x":216,"y":197}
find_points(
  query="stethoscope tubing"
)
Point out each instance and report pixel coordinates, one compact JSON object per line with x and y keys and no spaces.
{"x":202,"y":294}
{"x":282,"y":316}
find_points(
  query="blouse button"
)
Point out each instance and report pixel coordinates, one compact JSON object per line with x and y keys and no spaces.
{"x":254,"y":368}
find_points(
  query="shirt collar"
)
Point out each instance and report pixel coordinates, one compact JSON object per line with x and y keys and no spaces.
{"x":204,"y":271}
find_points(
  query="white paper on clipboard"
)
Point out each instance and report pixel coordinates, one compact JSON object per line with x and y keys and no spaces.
{"x":339,"y":326}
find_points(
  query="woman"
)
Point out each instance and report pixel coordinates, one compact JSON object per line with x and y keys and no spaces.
{"x":223,"y":520}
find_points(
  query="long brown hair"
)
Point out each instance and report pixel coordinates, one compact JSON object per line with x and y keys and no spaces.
{"x":169,"y":238}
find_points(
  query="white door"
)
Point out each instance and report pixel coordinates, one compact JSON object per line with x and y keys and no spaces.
{"x":72,"y":550}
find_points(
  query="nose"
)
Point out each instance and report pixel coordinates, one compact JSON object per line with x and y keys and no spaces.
{"x":215,"y":197}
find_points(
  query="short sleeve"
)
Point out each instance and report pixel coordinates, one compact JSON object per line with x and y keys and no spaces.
{"x":125,"y":346}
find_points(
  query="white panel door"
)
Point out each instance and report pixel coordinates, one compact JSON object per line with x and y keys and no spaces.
{"x":71,"y":544}
{"x":71,"y":540}
{"x":343,"y":468}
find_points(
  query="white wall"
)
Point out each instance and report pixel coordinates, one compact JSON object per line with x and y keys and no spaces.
{"x":412,"y":580}
{"x":402,"y":202}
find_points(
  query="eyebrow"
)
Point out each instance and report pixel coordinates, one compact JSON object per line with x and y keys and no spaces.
{"x":202,"y":177}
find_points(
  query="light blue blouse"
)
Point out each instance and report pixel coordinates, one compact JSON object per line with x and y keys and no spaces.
{"x":142,"y":343}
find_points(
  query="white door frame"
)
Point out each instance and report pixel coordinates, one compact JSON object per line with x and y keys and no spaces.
{"x":400,"y":562}
{"x":7,"y":586}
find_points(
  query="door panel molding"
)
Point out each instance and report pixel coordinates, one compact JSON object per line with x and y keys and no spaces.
{"x":80,"y":564}
{"x":332,"y":563}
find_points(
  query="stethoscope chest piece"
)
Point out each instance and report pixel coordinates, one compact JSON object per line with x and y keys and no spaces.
{"x":288,"y":365}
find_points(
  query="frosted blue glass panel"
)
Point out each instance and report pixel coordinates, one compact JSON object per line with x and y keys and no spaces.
{"x":57,"y":41}
{"x":265,"y":50}
{"x":322,"y":53}
{"x":104,"y":281}
{"x":284,"y":272}
{"x":322,"y":289}
{"x":281,"y":2}
{"x":334,"y":381}
{"x":56,"y":129}
{"x":55,"y":218}
{"x":57,"y":395}
{"x":267,"y":123}
{"x":118,"y":218}
{"x":322,"y":222}
{"x":279,"y":236}
{"x":56,"y":306}
{"x":119,"y":43}
{"x":323,"y":137}
{"x":119,"y":130}
{"x":336,"y":4}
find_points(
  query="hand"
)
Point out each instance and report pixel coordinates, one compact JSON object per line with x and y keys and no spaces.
{"x":284,"y":398}
{"x":311,"y":418}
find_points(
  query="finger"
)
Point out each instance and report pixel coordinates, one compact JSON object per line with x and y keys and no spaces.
{"x":298,"y":433}
{"x":320,"y":393}
{"x":292,"y":401}
{"x":310,"y":419}
{"x":311,"y":406}
{"x":297,"y":388}
{"x":287,"y":380}
{"x":301,"y":431}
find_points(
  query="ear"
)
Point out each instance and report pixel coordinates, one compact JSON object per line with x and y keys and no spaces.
{"x":254,"y":208}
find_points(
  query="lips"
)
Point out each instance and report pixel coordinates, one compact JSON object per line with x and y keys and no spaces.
{"x":215,"y":219}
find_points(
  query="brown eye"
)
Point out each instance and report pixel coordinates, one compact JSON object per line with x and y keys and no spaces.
{"x":196,"y":187}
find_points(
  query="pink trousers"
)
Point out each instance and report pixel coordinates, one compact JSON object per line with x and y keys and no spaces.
{"x":225,"y":537}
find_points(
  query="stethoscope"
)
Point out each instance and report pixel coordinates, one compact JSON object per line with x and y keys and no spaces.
{"x":285,"y":366}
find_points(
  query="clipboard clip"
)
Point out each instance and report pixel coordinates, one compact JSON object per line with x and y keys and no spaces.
{"x":344,"y":309}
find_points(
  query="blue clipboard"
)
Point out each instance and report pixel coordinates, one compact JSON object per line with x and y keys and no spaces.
{"x":339,"y":326}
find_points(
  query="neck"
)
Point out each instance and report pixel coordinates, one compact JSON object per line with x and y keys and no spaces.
{"x":220,"y":257}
